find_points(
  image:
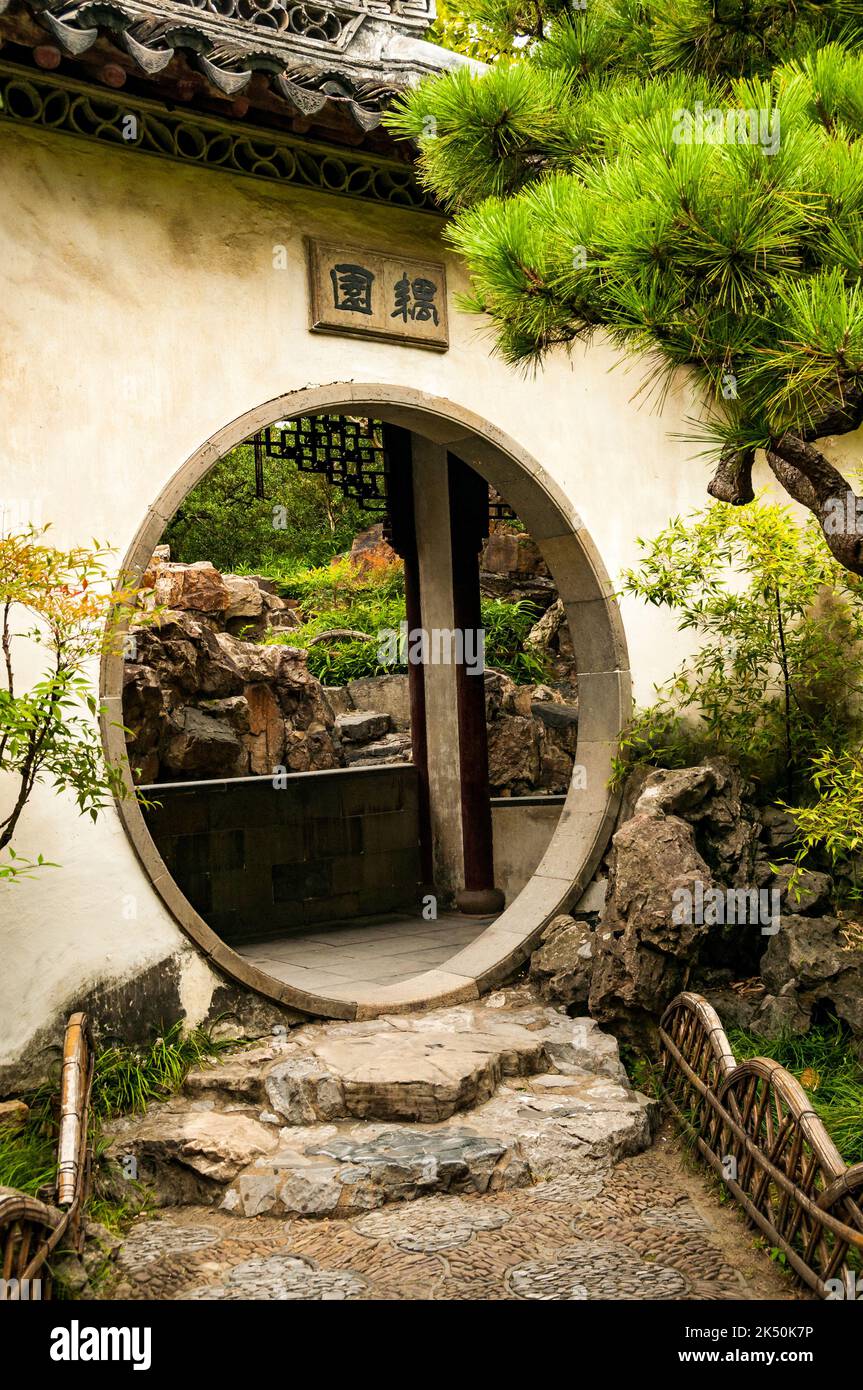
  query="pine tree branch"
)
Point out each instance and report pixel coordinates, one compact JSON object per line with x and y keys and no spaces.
{"x":732,"y":481}
{"x":810,"y":478}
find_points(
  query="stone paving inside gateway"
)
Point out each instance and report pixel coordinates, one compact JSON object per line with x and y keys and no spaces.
{"x":485,"y":1151}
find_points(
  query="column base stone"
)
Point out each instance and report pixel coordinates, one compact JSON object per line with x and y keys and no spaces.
{"x":479,"y":902}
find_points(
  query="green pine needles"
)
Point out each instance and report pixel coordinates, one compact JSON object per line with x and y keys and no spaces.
{"x":688,"y":179}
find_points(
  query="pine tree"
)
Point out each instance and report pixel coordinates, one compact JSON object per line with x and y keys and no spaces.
{"x":685,"y":176}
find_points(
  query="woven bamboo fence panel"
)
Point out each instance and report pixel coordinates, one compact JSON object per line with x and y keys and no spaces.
{"x":755,"y":1126}
{"x":30,"y":1229}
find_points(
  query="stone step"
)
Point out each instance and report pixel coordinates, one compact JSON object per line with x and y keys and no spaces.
{"x":422,"y":1068}
{"x":548,"y":1127}
{"x":339,"y":1119}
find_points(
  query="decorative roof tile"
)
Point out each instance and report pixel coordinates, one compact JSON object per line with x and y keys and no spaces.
{"x":353,"y":55}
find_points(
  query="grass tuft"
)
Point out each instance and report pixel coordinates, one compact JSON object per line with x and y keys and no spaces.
{"x":829,"y":1070}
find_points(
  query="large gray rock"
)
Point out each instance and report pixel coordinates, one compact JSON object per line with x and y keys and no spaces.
{"x":427,"y":1076}
{"x":642,"y":954}
{"x":806,"y":950}
{"x":714,"y":799}
{"x":780,"y":1013}
{"x":197,"y":744}
{"x":387,"y":694}
{"x":808,"y":957}
{"x":811,"y":895}
{"x":362,"y":727}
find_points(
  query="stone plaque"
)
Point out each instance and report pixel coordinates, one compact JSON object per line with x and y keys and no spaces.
{"x":372,"y":294}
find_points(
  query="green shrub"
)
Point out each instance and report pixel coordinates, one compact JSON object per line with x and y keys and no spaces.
{"x":341,"y":596}
{"x":833,"y":823}
{"x":778,"y":670}
{"x":223,"y":521}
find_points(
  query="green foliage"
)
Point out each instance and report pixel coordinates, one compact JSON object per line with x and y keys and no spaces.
{"x":828,"y":1068}
{"x":126,"y":1079}
{"x":341,"y":596}
{"x":833,"y":823}
{"x":506,"y":625}
{"x":70,"y":611}
{"x":778,"y":670}
{"x":585,"y":201}
{"x":28,"y":1153}
{"x":342,"y":584}
{"x":223,"y":521}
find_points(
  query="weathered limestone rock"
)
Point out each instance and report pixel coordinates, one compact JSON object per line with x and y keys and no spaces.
{"x":386,"y":694}
{"x":310,"y":751}
{"x":808,"y":963}
{"x":512,"y":552}
{"x":550,"y":1094}
{"x":713,"y":798}
{"x":426,"y":1076}
{"x":392,"y":748}
{"x":513,"y":753}
{"x":237,"y":1078}
{"x":233,"y":708}
{"x":812,"y":893}
{"x":778,"y":829}
{"x":176,"y":1148}
{"x":562,"y":966}
{"x":198,"y":587}
{"x":303,"y":1091}
{"x":780,"y":1013}
{"x":197,"y":743}
{"x":13,"y":1114}
{"x":244,"y":597}
{"x":641,"y":953}
{"x":362,"y":728}
{"x":546,"y":629}
{"x":266,"y":741}
{"x":805,"y":949}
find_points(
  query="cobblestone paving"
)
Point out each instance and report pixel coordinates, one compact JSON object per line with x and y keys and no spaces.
{"x":650,"y":1228}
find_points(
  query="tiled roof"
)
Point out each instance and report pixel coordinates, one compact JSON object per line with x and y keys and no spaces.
{"x":289,"y":56}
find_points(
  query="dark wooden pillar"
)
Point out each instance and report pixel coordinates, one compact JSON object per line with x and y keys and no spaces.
{"x":403,"y":538}
{"x":468,"y":509}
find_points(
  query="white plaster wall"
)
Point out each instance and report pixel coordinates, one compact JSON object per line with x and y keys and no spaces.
{"x":141,"y":312}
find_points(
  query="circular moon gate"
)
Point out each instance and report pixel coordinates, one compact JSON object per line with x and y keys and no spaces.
{"x":604,"y":685}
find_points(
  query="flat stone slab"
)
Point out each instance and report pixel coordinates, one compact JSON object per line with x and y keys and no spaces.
{"x":426,"y":1076}
{"x":183,"y":1154}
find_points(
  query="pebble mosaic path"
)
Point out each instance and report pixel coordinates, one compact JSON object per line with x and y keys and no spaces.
{"x":650,"y":1227}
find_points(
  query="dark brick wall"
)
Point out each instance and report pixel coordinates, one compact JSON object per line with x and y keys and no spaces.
{"x":257,"y":861}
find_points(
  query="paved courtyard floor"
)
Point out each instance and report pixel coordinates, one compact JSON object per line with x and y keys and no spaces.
{"x":652,"y":1227}
{"x":371,"y":951}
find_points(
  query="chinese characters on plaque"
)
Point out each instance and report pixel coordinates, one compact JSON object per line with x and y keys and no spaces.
{"x":378,"y":296}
